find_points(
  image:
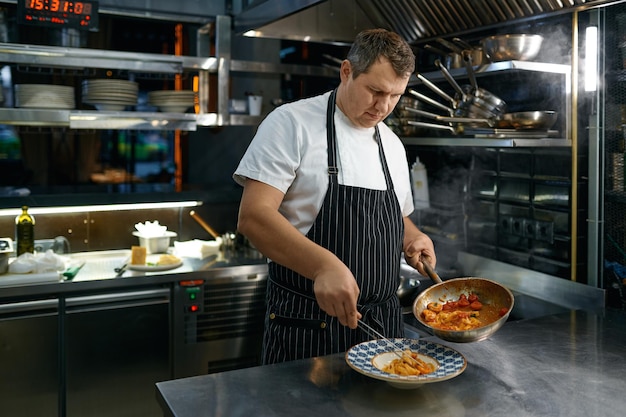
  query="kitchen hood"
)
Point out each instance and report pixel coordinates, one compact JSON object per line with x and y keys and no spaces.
{"x":416,"y":20}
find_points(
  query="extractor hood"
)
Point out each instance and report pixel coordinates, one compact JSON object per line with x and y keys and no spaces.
{"x":416,"y":20}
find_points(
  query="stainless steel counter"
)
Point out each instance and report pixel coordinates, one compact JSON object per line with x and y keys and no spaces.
{"x":98,"y":273}
{"x":570,"y":364}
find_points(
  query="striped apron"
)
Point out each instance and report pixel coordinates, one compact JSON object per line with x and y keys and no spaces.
{"x":363,"y":228}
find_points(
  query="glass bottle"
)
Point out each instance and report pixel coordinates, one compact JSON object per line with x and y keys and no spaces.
{"x":25,"y":232}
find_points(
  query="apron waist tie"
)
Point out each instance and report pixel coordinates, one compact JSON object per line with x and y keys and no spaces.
{"x":370,"y":312}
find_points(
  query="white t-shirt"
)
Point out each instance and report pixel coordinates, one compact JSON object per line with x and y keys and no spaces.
{"x":289,"y":152}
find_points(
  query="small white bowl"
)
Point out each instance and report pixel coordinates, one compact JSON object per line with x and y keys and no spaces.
{"x":155,"y":244}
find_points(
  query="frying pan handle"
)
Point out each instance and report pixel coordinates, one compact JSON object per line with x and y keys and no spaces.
{"x":433,"y":126}
{"x":450,"y":45}
{"x":469,"y":66}
{"x":438,"y":51}
{"x":435,"y":89}
{"x":450,"y":79}
{"x":430,"y":271}
{"x":431,"y":101}
{"x":463,"y":44}
{"x":424,"y":113}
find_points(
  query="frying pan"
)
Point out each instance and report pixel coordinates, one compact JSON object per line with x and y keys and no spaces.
{"x":530,"y":119}
{"x":488,"y":101}
{"x":538,"y":120}
{"x":489,"y":292}
{"x":472,"y":101}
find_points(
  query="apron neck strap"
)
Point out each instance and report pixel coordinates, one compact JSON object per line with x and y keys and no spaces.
{"x":331,"y":139}
{"x":330,"y":136}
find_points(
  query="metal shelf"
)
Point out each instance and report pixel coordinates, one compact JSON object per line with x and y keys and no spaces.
{"x":79,"y":58}
{"x":86,"y":119}
{"x":497,"y":67}
{"x":488,"y":143}
{"x":126,"y":120}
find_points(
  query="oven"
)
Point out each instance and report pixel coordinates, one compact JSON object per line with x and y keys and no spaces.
{"x":218,"y":320}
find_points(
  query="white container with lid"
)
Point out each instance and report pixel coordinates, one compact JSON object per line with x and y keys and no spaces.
{"x":419,"y":184}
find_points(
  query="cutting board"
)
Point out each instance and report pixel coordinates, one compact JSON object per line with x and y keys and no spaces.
{"x":20,"y":279}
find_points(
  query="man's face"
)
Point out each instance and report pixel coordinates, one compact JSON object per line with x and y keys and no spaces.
{"x":372,"y":96}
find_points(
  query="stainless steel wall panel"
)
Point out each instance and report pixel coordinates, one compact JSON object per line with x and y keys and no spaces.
{"x":552,"y":194}
{"x":514,"y":190}
{"x":559,"y":220}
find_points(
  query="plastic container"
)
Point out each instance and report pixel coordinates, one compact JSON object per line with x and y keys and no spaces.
{"x":155,"y":244}
{"x":255,"y":103}
{"x":419,"y":184}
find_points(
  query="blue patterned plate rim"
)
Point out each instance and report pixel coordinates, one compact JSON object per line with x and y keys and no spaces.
{"x":451,"y":362}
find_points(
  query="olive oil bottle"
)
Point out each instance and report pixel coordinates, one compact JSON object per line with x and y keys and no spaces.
{"x":25,"y":232}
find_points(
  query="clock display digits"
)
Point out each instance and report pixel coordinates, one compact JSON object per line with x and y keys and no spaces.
{"x":59,"y":13}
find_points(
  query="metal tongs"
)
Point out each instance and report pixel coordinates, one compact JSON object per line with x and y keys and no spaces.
{"x":372,"y":332}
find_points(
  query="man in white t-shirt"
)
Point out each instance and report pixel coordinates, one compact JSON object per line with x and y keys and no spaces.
{"x":326,"y":198}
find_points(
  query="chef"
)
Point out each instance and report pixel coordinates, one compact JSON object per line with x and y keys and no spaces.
{"x":326,"y":198}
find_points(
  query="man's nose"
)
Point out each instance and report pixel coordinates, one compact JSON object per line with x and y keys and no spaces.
{"x":383,"y":104}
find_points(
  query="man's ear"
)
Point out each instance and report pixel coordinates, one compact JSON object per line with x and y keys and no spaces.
{"x":345,"y":71}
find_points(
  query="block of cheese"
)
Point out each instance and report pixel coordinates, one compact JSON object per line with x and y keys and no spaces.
{"x":138,"y":255}
{"x":167,"y":259}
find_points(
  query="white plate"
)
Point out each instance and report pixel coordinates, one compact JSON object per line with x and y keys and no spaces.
{"x":154,"y":268}
{"x":367,"y":357}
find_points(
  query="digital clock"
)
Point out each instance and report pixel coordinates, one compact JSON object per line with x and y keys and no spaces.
{"x":59,"y":13}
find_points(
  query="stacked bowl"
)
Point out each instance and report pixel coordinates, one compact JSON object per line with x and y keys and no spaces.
{"x":110,"y":95}
{"x":172,"y":101}
{"x":44,"y":96}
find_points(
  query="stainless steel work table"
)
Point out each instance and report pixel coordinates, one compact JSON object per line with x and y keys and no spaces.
{"x":570,"y":364}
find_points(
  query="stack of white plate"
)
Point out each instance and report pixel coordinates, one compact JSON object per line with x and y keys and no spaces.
{"x":110,"y":95}
{"x":172,"y":101}
{"x":44,"y":96}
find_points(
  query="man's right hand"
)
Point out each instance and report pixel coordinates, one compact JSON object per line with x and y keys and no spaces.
{"x":337,"y":292}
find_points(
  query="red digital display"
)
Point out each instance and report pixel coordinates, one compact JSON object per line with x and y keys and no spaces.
{"x":59,"y":13}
